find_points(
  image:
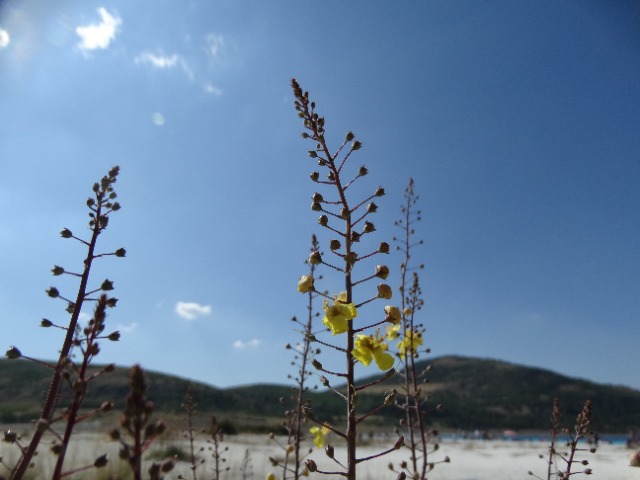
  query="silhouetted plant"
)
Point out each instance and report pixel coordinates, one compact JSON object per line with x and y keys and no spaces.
{"x":136,"y":423}
{"x":350,"y":224}
{"x":561,"y":464}
{"x":217,"y":450}
{"x":101,"y":205}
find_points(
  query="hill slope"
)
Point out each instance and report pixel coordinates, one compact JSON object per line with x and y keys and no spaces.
{"x":476,"y":394}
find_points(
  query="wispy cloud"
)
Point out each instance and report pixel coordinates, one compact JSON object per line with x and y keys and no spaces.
{"x":4,"y":38}
{"x":127,"y":328}
{"x":99,"y":35}
{"x":159,"y":60}
{"x":212,"y":89}
{"x":254,"y":342}
{"x":192,"y":310}
{"x":213,"y":44}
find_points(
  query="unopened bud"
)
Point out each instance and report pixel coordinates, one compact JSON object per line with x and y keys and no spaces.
{"x":399,"y":443}
{"x":305,"y":284}
{"x":314,"y":176}
{"x":363,"y":171}
{"x":56,"y":270}
{"x":350,"y":136}
{"x":53,"y":292}
{"x":114,"y":337}
{"x":316,"y":364}
{"x":335,"y":245}
{"x":384,"y":247}
{"x":323,"y":220}
{"x":329,"y":450}
{"x":357,"y":145}
{"x":121,"y":252}
{"x":316,"y":207}
{"x":311,"y":465}
{"x":101,"y":461}
{"x":66,"y":233}
{"x":315,"y":258}
{"x":369,"y":227}
{"x":382,"y":271}
{"x":372,"y":208}
{"x":380,"y":192}
{"x":46,"y":323}
{"x":13,"y":353}
{"x":384,"y":291}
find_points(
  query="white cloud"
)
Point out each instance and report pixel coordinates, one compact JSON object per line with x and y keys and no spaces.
{"x":213,"y":44}
{"x":157,"y":60}
{"x":212,"y":89}
{"x":192,"y":310}
{"x":254,"y":342}
{"x":99,"y":35}
{"x":127,"y":328}
{"x":4,"y":38}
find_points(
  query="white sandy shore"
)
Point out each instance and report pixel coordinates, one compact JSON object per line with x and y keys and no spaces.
{"x":470,"y":459}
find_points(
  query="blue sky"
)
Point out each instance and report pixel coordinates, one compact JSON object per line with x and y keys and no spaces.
{"x":519,"y":122}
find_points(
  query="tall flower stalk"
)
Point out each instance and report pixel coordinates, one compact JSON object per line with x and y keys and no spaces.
{"x":349,"y":222}
{"x":101,"y":205}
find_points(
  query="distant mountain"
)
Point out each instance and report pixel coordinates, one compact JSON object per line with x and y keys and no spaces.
{"x":475,"y":393}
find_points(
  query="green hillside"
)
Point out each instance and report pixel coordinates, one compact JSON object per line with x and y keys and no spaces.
{"x":476,"y":394}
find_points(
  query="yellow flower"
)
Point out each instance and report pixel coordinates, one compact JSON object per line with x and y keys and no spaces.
{"x":369,"y":347}
{"x":407,"y":311}
{"x":337,"y":315}
{"x":393,"y":314}
{"x":393,"y":331}
{"x":305,"y":284}
{"x":341,"y":297}
{"x":271,"y":476}
{"x":319,"y":434}
{"x":409,"y":344}
{"x":384,"y":291}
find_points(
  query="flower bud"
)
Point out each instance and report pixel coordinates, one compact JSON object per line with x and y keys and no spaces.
{"x":46,"y":323}
{"x":114,"y":337}
{"x":316,"y":364}
{"x":305,"y":284}
{"x":56,"y":270}
{"x":66,"y":233}
{"x":315,"y":258}
{"x":121,"y":252}
{"x":335,"y":245}
{"x":106,"y":285}
{"x":314,"y":176}
{"x":380,"y":192}
{"x":317,"y":197}
{"x":316,"y":207}
{"x":383,"y":248}
{"x":393,"y":314}
{"x":311,"y":465}
{"x":323,"y":220}
{"x":13,"y":353}
{"x":363,"y":171}
{"x":53,"y":292}
{"x":329,"y":450}
{"x":331,"y":177}
{"x":382,"y":271}
{"x":399,"y":443}
{"x":350,"y":136}
{"x":372,"y":208}
{"x":384,"y":291}
{"x":369,"y":227}
{"x":407,"y":311}
{"x":351,"y":258}
{"x":357,"y":145}
{"x":313,"y":154}
{"x":344,"y":213}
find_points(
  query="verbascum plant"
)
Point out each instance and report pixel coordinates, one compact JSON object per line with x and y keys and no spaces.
{"x":85,"y":340}
{"x":138,"y":431}
{"x":295,"y":453}
{"x":409,"y":338}
{"x":564,"y":464}
{"x":351,"y":335}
